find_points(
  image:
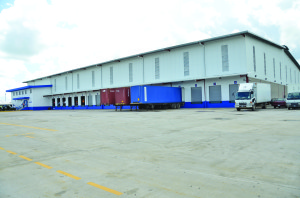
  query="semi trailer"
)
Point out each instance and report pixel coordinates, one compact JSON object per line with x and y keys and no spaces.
{"x":156,"y":97}
{"x":252,"y":95}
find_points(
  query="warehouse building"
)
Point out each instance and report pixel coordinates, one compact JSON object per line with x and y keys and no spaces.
{"x":208,"y":71}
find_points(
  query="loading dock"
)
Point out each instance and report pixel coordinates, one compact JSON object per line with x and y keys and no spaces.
{"x":64,"y":102}
{"x":58,"y":102}
{"x":76,"y":101}
{"x":82,"y":101}
{"x":53,"y":102}
{"x":69,"y":101}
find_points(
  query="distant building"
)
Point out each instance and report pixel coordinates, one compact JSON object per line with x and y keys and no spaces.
{"x":209,"y":72}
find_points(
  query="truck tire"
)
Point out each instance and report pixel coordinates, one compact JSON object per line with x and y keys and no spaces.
{"x":178,"y":106}
{"x":289,"y":108}
{"x":264,"y":106}
{"x":238,"y":109}
{"x":253,"y":107}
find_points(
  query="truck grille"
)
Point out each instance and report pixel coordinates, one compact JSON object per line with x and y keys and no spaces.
{"x":294,"y":105}
{"x":243,"y":103}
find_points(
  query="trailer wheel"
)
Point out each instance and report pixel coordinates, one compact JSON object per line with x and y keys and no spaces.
{"x":289,"y":108}
{"x":178,"y":106}
{"x":238,"y":109}
{"x":264,"y":106}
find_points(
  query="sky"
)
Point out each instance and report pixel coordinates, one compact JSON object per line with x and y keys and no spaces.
{"x":43,"y":37}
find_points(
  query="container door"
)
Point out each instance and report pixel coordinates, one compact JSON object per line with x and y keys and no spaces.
{"x":215,"y":94}
{"x":232,"y":91}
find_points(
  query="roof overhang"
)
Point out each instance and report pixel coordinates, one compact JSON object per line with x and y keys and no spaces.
{"x":28,"y":87}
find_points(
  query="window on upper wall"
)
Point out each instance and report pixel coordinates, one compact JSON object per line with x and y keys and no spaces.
{"x":25,"y":91}
{"x":111,"y":75}
{"x":30,"y":90}
{"x":274,"y":67}
{"x":286,"y":73}
{"x":13,"y":93}
{"x":78,"y":81}
{"x":225,"y":61}
{"x":130,"y":72}
{"x":157,"y":68}
{"x":19,"y":93}
{"x":265,"y":64}
{"x":93,"y":78}
{"x":254,"y":59}
{"x":280,"y":71}
{"x":186,"y":63}
{"x":66,"y":82}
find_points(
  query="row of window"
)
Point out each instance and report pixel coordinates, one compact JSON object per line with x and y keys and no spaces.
{"x":274,"y":69}
{"x":19,"y":93}
{"x":186,"y":65}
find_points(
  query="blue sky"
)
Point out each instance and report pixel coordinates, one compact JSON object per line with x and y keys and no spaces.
{"x":43,"y":37}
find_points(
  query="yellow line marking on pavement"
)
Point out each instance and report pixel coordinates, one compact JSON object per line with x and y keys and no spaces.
{"x":2,"y":148}
{"x":29,"y":127}
{"x":21,"y":156}
{"x":11,"y":152}
{"x":43,"y":165}
{"x":7,"y":135}
{"x":28,"y":133}
{"x":68,"y":174}
{"x":29,"y":136}
{"x":105,"y":188}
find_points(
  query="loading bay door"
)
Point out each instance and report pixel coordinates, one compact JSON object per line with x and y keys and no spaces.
{"x":215,"y":95}
{"x":196,"y":95}
{"x":90,"y":100}
{"x":232,"y":91}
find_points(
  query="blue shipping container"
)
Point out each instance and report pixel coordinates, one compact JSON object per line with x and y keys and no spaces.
{"x":155,"y":94}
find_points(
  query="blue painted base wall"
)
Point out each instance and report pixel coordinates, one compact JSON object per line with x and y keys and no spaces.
{"x":206,"y":104}
{"x":223,"y":104}
{"x":36,"y":108}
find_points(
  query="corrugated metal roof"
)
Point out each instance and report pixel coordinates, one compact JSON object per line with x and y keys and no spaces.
{"x":244,"y":33}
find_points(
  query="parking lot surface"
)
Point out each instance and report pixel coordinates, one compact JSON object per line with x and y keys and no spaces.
{"x":169,"y":153}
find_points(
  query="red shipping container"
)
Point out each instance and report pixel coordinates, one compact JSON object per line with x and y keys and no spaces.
{"x":107,"y":96}
{"x":122,"y":96}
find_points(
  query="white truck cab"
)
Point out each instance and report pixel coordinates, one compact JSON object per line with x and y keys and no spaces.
{"x":293,"y":100}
